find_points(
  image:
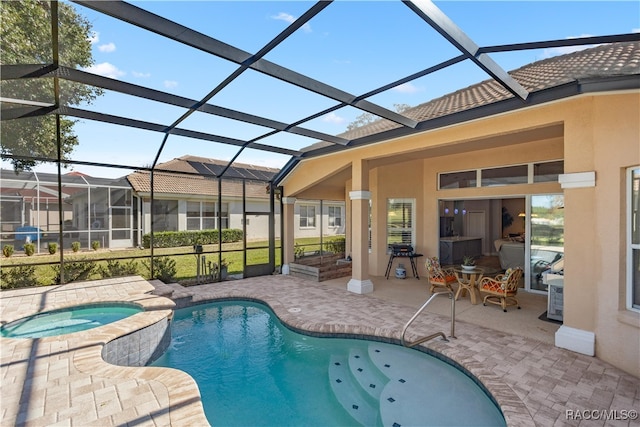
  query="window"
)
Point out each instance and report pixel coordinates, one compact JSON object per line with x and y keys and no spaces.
{"x":463,"y":179}
{"x":208,"y":216}
{"x":203,"y":215}
{"x":335,"y":216}
{"x":508,"y":175}
{"x":224,"y":216}
{"x":633,"y":238}
{"x":307,"y":216}
{"x":547,"y":172}
{"x":193,"y":215}
{"x":400,"y":221}
{"x":505,"y":176}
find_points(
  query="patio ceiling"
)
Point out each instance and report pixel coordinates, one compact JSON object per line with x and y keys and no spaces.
{"x":269,"y":133}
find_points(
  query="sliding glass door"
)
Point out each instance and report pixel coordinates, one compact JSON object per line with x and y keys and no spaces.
{"x":546,"y":230}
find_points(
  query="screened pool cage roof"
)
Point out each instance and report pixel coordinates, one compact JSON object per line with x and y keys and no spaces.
{"x":272,"y":61}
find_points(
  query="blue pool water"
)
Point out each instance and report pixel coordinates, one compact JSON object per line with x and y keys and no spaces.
{"x":68,"y":320}
{"x":251,"y":370}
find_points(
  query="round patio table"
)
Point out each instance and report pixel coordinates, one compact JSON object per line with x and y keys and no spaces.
{"x":468,"y":281}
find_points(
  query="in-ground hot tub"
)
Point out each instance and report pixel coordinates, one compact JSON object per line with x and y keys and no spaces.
{"x":67,"y":320}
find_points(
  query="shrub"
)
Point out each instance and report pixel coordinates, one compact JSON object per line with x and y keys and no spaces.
{"x":7,"y":250}
{"x":115,"y":268}
{"x":29,"y":248}
{"x":170,"y":239}
{"x":18,"y":277}
{"x":95,"y":245}
{"x":74,"y":271}
{"x":75,"y":246}
{"x":164,"y":268}
{"x":336,"y":245}
{"x":53,"y":247}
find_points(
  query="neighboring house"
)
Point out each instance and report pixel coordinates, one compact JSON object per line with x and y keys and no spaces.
{"x":186,"y":198}
{"x":570,"y":154}
{"x":117,"y":212}
{"x":311,"y":216}
{"x":92,"y":209}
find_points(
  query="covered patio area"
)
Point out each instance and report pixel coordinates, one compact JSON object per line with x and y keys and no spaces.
{"x":412,"y":293}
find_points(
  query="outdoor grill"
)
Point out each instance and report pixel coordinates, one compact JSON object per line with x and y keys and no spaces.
{"x":403,"y":251}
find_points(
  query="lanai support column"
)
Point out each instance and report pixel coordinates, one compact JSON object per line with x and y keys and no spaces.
{"x":288,"y":238}
{"x":360,"y":196}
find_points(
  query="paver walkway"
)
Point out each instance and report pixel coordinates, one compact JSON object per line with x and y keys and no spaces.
{"x":63,"y":381}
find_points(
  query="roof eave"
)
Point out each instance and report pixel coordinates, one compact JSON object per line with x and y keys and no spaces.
{"x":574,"y":88}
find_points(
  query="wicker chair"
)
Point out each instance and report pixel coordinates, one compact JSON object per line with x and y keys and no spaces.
{"x":502,"y":289}
{"x":438,"y":276}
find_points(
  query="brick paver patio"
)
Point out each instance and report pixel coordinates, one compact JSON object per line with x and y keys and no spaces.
{"x":64,"y":381}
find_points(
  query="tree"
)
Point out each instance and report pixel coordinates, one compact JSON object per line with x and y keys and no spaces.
{"x":25,"y":38}
{"x":366,"y":118}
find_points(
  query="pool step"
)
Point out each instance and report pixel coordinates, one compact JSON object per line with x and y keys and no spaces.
{"x":349,"y":393}
{"x":388,"y":385}
{"x":370,"y":379}
{"x":411,"y":378}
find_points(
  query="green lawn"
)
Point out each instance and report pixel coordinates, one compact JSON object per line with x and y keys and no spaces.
{"x":184,"y":257}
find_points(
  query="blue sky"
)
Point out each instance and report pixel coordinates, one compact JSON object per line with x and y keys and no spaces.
{"x":356,"y":46}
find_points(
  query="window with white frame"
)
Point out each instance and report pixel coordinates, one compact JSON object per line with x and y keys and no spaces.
{"x":307,"y":216}
{"x":335,"y":216}
{"x":633,"y":238}
{"x":203,"y":215}
{"x":400,"y":221}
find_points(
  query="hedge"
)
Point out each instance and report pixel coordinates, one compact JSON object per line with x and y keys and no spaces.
{"x":171,"y":239}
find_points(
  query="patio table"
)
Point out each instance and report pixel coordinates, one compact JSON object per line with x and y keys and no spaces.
{"x":468,"y":281}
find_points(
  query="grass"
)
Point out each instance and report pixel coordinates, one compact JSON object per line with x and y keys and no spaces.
{"x":186,"y":260}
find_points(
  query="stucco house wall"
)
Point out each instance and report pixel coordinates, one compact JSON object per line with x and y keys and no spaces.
{"x":592,"y":133}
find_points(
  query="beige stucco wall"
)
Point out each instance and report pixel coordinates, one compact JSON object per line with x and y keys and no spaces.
{"x":616,"y":146}
{"x":598,"y":133}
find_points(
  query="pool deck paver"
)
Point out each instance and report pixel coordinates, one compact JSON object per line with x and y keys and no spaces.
{"x":64,"y":381}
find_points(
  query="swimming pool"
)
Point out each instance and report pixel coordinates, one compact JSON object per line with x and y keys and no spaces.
{"x":251,"y":370}
{"x":67,"y":320}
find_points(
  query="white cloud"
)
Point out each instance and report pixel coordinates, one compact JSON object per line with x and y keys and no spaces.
{"x":635,"y":30}
{"x":141,"y":75}
{"x":107,"y":48}
{"x":106,"y":69}
{"x":169,"y":84}
{"x":333,"y":118}
{"x":407,"y":88}
{"x":94,"y":37}
{"x":282,"y":16}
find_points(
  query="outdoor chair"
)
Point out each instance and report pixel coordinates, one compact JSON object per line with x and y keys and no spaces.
{"x":439,"y":276}
{"x":502,"y":289}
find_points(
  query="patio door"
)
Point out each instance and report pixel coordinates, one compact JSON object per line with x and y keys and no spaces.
{"x":545,"y":230}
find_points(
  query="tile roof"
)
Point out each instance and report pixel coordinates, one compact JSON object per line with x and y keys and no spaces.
{"x":205,"y":182}
{"x":608,"y":60}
